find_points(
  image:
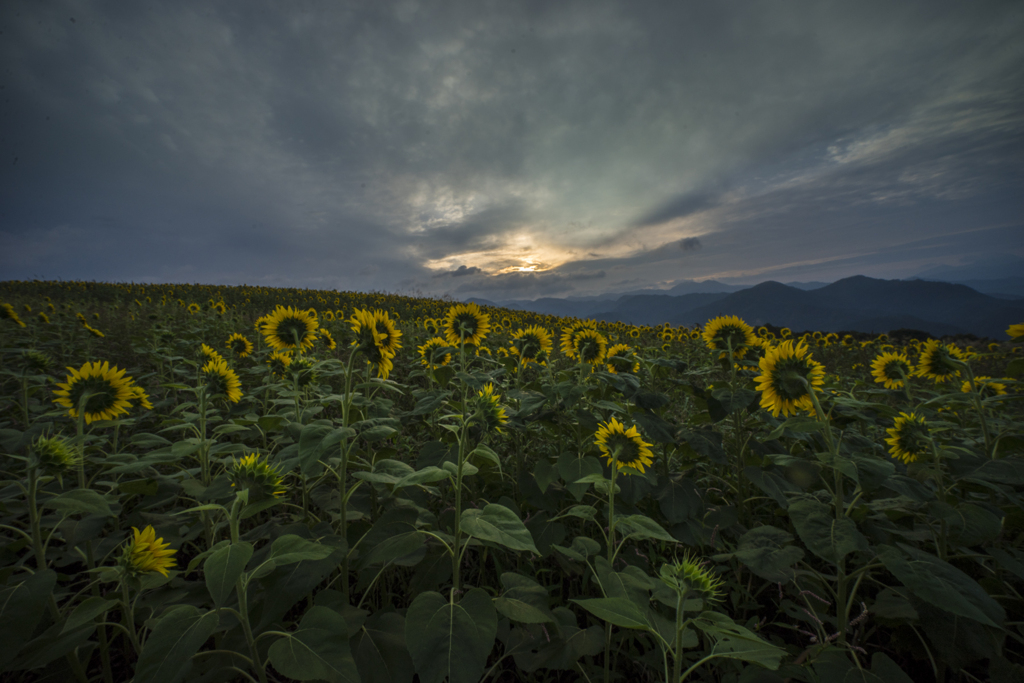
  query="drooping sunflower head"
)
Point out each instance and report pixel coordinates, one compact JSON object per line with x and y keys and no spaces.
{"x":431,"y":326}
{"x":55,"y":454}
{"x":287,"y":329}
{"x":788,"y":374}
{"x":209,"y":353}
{"x":891,"y":369}
{"x":255,"y":474}
{"x":279,"y":363}
{"x":239,"y":344}
{"x":623,"y":447}
{"x":727,"y":331}
{"x":194,"y":308}
{"x":530,"y":342}
{"x":141,"y":396}
{"x":106,"y":391}
{"x":908,"y":438}
{"x":987,"y":387}
{"x":145,"y":553}
{"x":939,"y":362}
{"x":621,"y":358}
{"x":692,"y":577}
{"x":590,"y":346}
{"x":219,"y":308}
{"x":569,"y":334}
{"x":35,"y":362}
{"x":489,"y":413}
{"x":7,"y":312}
{"x":221,"y":380}
{"x":466,"y":323}
{"x":434,"y":353}
{"x":1016,"y":332}
{"x":301,"y":370}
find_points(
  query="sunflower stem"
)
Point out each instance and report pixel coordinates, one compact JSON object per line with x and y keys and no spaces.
{"x":129,"y":618}
{"x":463,"y":437}
{"x":976,"y":399}
{"x":611,"y":557}
{"x":346,"y":409}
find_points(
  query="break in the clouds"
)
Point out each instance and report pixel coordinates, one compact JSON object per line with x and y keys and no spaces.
{"x":518,"y":149}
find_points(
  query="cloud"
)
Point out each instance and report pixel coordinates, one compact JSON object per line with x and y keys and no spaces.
{"x":460,"y":271}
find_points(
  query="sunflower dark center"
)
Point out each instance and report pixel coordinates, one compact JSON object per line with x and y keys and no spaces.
{"x":895,"y":369}
{"x":623,"y":449}
{"x":788,"y":378}
{"x":466,"y":323}
{"x":291,"y":330}
{"x":101,"y":394}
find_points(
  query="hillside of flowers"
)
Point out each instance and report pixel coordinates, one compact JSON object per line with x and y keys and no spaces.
{"x":215,"y":484}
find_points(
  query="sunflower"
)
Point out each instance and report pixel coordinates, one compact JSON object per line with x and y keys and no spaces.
{"x":94,"y":332}
{"x":531,"y":342}
{"x":326,"y":339}
{"x":431,"y":326}
{"x":255,"y":474}
{"x":239,"y":344}
{"x":146,"y":553}
{"x":328,"y":314}
{"x":987,"y":388}
{"x":435,"y":353}
{"x":279,"y":363}
{"x":209,"y":353}
{"x":43,"y":318}
{"x":220,"y":379}
{"x":621,"y":358}
{"x":692,"y":578}
{"x":7,"y":311}
{"x":387,"y":335}
{"x":219,"y":308}
{"x":784,"y":371}
{"x":35,"y":361}
{"x":286,"y":329}
{"x":891,"y":369}
{"x":569,"y":334}
{"x":466,"y":324}
{"x":1016,"y":332}
{"x":623,"y":447}
{"x":489,"y":411}
{"x":908,"y":438}
{"x":139,"y":395}
{"x":722,"y":331}
{"x":590,"y":346}
{"x":939,"y":361}
{"x":108,"y":392}
{"x":55,"y":454}
{"x":194,"y":308}
{"x":301,"y":370}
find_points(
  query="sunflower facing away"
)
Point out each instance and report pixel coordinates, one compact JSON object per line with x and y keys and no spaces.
{"x":326,"y":339}
{"x":387,"y":334}
{"x":692,"y":578}
{"x":109,"y":392}
{"x":239,"y":344}
{"x":489,"y":411}
{"x":209,"y":353}
{"x":373,"y":342}
{"x":621,"y":358}
{"x":987,"y":387}
{"x":466,"y":323}
{"x":220,"y":379}
{"x":434,"y":353}
{"x":254,"y":473}
{"x":530,"y":343}
{"x":724,"y":330}
{"x":890,"y":369}
{"x":590,"y":346}
{"x":279,"y":363}
{"x":55,"y":454}
{"x":625,"y":447}
{"x":939,"y":361}
{"x":286,"y":329}
{"x":908,"y":438}
{"x":784,"y":369}
{"x":146,"y":553}
{"x":1016,"y":332}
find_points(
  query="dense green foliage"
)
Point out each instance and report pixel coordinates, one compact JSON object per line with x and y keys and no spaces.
{"x":480,"y":520}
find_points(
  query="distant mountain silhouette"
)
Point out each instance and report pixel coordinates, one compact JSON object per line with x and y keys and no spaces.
{"x":857,"y":303}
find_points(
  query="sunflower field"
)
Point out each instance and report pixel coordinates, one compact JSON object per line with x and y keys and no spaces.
{"x":206,"y":483}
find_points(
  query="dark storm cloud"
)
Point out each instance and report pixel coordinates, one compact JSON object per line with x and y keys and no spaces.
{"x":460,"y":272}
{"x":350,"y":145}
{"x":527,"y":285}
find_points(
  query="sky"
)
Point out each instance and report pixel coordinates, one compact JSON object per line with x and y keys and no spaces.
{"x":508,"y":150}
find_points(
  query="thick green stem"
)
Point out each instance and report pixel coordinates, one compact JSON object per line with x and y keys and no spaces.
{"x":128,"y":610}
{"x":611,"y":558}
{"x":346,"y":409}
{"x":463,"y":438}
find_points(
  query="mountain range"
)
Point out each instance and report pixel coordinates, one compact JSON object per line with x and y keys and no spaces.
{"x":858,"y":303}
